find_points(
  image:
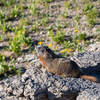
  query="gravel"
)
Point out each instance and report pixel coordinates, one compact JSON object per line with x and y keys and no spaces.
{"x":38,"y":84}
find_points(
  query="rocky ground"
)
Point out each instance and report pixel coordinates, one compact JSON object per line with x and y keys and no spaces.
{"x":37,"y":84}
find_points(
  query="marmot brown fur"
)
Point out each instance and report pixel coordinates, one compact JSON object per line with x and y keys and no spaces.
{"x":59,"y":65}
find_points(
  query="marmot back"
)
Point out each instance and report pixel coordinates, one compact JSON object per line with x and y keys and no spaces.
{"x":58,"y":65}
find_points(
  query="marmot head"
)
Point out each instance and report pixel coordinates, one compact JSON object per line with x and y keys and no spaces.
{"x":44,"y":51}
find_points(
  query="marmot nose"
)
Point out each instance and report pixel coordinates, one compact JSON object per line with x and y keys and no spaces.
{"x":38,"y":47}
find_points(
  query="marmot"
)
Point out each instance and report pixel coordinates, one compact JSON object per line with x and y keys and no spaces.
{"x":60,"y":65}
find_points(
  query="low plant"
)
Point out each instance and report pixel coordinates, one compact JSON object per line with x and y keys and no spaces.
{"x":66,"y":52}
{"x":87,"y":8}
{"x":48,"y":1}
{"x":1,"y":38}
{"x":81,"y":36}
{"x":5,"y":27}
{"x":91,"y":17}
{"x":49,"y":28}
{"x":15,"y":12}
{"x":67,"y":6}
{"x":99,"y":37}
{"x":35,"y":26}
{"x":74,"y":46}
{"x":58,"y":37}
{"x":59,"y":25}
{"x":22,"y":23}
{"x":7,"y":2}
{"x":2,"y":15}
{"x":5,"y":67}
{"x":45,"y":1}
{"x":77,"y":19}
{"x":68,"y":44}
{"x":98,"y":30}
{"x":80,"y":48}
{"x":18,"y":39}
{"x":99,"y":1}
{"x":76,"y":43}
{"x":44,"y":21}
{"x":33,"y":8}
{"x":91,"y":12}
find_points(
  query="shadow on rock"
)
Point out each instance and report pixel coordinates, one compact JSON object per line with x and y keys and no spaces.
{"x":92,"y":71}
{"x":67,"y":95}
{"x":43,"y":95}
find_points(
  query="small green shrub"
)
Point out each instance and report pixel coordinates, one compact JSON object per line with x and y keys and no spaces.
{"x":5,"y":27}
{"x":44,"y":21}
{"x":69,"y":44}
{"x":15,"y":12}
{"x":5,"y":67}
{"x":7,"y":2}
{"x":46,"y":1}
{"x":91,"y":16}
{"x":33,"y":9}
{"x":59,"y":25}
{"x":58,"y":37}
{"x":18,"y":39}
{"x":98,"y":30}
{"x":87,"y":8}
{"x":67,"y":6}
{"x":1,"y":38}
{"x":35,"y":26}
{"x":80,"y":48}
{"x":2,"y":15}
{"x":91,"y":12}
{"x":82,"y":36}
{"x":77,"y":18}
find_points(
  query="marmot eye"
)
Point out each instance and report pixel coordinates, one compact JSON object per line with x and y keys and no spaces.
{"x":42,"y":50}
